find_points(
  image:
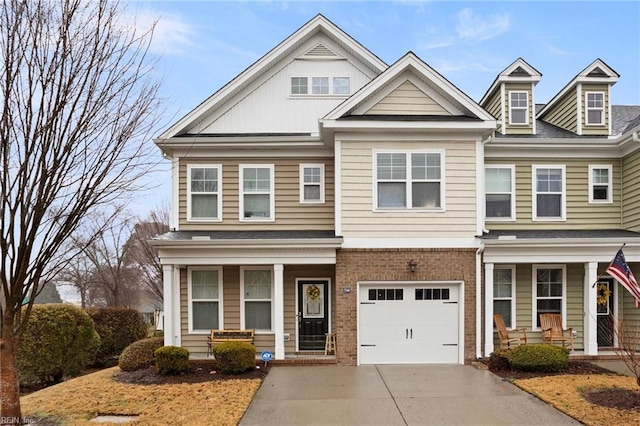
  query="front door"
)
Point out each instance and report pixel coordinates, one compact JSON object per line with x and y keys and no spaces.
{"x":605,"y":313}
{"x":313,"y":314}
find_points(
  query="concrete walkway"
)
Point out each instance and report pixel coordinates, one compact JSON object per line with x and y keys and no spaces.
{"x":395,"y":395}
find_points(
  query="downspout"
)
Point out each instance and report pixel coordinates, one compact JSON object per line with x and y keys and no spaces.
{"x":479,"y":301}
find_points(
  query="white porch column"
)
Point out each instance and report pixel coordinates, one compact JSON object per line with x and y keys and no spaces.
{"x":177,"y":330}
{"x":278,"y":309}
{"x":488,"y":309}
{"x":590,"y":309}
{"x":169,"y":316}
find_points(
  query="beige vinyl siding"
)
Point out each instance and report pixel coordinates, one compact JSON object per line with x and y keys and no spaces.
{"x":518,"y":129}
{"x":360,"y":221}
{"x":494,"y":107}
{"x":580,"y":214}
{"x":525,"y":302}
{"x":565,"y":112}
{"x":591,"y":130}
{"x":407,"y":99}
{"x":290,"y":214}
{"x":631,"y":191}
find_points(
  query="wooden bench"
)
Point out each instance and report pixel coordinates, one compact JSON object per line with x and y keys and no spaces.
{"x":221,"y":336}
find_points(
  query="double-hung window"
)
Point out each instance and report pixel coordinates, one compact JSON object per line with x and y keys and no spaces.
{"x":341,"y":86}
{"x":257,"y":192}
{"x":204,"y":192}
{"x":205,"y":290}
{"x":549,"y":289}
{"x":257,"y":293}
{"x":499,"y":189}
{"x":409,"y":180}
{"x":600,"y":187}
{"x":595,"y":108}
{"x":504,"y":293}
{"x":518,"y":108}
{"x":312,"y":183}
{"x":549,"y":199}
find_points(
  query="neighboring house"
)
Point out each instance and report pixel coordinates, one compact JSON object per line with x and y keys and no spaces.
{"x":322,"y":190}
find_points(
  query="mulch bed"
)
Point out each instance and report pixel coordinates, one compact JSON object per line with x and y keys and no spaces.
{"x":199,"y":372}
{"x":622,"y":399}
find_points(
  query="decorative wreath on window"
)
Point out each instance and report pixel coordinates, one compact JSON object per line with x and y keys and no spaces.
{"x":603,"y":294}
{"x":313,"y":292}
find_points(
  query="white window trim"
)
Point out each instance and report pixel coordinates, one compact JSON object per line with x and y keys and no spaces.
{"x":242,"y":299}
{"x":219,"y":299}
{"x":587,"y":109}
{"x":513,"y":294}
{"x":272,"y":192}
{"x":609,"y":168}
{"x":310,"y":93}
{"x":303,"y":183}
{"x":512,"y":169}
{"x":525,"y":108}
{"x":408,"y":181}
{"x":189,"y":193}
{"x":534,"y":192}
{"x":534,"y":305}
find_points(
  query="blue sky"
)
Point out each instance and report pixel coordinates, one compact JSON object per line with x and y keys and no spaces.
{"x":205,"y":44}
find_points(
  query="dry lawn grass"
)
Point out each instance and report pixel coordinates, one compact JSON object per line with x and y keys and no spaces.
{"x":77,"y":401}
{"x":565,"y":393}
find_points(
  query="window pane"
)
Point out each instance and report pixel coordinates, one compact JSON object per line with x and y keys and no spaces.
{"x":549,"y":180}
{"x":392,"y":194}
{"x":312,"y":192}
{"x":298,"y":85}
{"x":594,"y":116}
{"x":503,"y":307}
{"x":204,"y":180}
{"x":257,"y":284}
{"x":257,"y":315}
{"x":425,"y":195}
{"x":548,"y":306}
{"x":498,"y":180}
{"x":204,"y":205}
{"x":518,"y":116}
{"x":204,"y":284}
{"x":600,"y":176}
{"x":600,"y":192}
{"x":256,"y":179}
{"x":433,"y":166}
{"x":312,"y":175}
{"x":549,"y":205}
{"x":341,"y":85}
{"x":498,"y":205}
{"x":320,"y":85}
{"x":392,"y":166}
{"x":205,"y":315}
{"x":257,"y":205}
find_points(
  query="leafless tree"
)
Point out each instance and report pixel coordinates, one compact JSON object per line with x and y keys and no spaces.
{"x":625,"y":335}
{"x":77,"y":106}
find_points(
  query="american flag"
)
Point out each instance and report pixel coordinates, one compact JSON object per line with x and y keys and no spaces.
{"x":619,"y":269}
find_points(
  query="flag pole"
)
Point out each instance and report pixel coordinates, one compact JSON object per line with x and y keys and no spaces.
{"x":600,"y":276}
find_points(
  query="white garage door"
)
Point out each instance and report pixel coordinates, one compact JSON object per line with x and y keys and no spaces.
{"x":408,"y":324}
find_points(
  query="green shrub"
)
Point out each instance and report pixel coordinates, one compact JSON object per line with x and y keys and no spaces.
{"x":234,"y":357}
{"x":58,"y":340}
{"x":172,"y":360}
{"x":140,"y":355}
{"x":118,"y":328}
{"x":544,"y":358}
{"x":499,"y":360}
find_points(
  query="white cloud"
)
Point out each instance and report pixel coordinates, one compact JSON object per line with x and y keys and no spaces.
{"x":172,"y":35}
{"x":473,"y":28}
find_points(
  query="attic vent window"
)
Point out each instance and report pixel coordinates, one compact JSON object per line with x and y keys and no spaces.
{"x":320,"y":50}
{"x":320,"y":86}
{"x":595,"y":108}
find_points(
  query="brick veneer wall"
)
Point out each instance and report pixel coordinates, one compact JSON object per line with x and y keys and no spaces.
{"x":354,"y":265}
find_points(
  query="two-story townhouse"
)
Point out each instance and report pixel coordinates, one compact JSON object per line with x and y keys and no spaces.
{"x":323,"y":191}
{"x":562,"y":196}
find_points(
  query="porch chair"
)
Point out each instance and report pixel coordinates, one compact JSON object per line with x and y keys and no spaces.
{"x":552,"y":331}
{"x":503,"y":334}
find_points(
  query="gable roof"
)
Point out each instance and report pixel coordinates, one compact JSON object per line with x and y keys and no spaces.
{"x":518,"y":71}
{"x":596,"y":72}
{"x":451,"y":101}
{"x":319,"y":24}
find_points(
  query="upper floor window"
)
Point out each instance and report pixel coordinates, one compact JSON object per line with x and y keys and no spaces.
{"x":595,"y":108}
{"x":204,"y":290}
{"x":204,"y":199}
{"x":600,"y":188}
{"x":549,"y":290}
{"x":409,"y":180}
{"x":518,"y":108}
{"x":312,"y":183}
{"x":256,"y":295}
{"x":499,"y":188}
{"x":504,"y":293}
{"x":549,"y":193}
{"x":257,"y":192}
{"x":321,"y":85}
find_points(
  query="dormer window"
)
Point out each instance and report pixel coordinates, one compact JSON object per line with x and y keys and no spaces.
{"x":595,"y":108}
{"x":518,"y":108}
{"x":320,"y":86}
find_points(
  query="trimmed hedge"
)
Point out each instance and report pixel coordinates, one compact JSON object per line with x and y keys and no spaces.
{"x":234,"y":357}
{"x":140,"y":355}
{"x":58,"y":340}
{"x":118,"y":328}
{"x":172,"y":360}
{"x":544,"y":358}
{"x":499,"y":360}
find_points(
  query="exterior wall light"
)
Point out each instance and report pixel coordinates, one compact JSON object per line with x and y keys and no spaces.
{"x":413,"y":265}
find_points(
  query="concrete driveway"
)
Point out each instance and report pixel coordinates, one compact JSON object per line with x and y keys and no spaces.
{"x":395,"y":395}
